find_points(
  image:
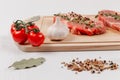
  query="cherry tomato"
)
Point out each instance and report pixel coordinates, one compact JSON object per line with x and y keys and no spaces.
{"x":18,"y":32}
{"x":19,"y":36}
{"x":35,"y":37}
{"x":31,"y":25}
{"x":16,"y":25}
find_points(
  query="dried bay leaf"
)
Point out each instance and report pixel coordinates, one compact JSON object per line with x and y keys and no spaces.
{"x":28,"y":63}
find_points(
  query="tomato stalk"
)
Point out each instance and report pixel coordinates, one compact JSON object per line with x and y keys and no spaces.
{"x":19,"y":24}
{"x":27,"y":25}
{"x":35,"y":30}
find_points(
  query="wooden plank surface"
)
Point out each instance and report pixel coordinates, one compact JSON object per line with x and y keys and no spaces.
{"x":108,"y":41}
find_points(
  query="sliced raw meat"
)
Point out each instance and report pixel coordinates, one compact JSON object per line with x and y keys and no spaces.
{"x":86,"y":30}
{"x":82,"y":25}
{"x":110,"y":18}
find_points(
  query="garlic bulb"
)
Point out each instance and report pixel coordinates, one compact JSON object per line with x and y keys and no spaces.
{"x":57,"y":31}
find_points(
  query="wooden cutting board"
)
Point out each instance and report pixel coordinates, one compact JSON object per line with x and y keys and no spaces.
{"x":108,"y":41}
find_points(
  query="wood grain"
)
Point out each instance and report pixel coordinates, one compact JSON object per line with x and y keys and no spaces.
{"x":108,"y":41}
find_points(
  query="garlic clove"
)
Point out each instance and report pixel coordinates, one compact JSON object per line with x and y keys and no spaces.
{"x":57,"y":31}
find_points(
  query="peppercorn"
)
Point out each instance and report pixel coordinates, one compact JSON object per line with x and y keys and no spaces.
{"x":93,"y":65}
{"x":96,"y":16}
{"x":93,"y":71}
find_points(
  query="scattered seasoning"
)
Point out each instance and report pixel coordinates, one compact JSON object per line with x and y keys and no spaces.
{"x":116,"y":16}
{"x":92,"y":71}
{"x":76,"y":18}
{"x":96,"y":16}
{"x":92,"y":65}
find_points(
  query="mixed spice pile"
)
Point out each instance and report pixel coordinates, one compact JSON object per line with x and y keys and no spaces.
{"x":92,"y":65}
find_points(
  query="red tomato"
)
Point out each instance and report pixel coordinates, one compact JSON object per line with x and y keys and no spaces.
{"x":16,"y":25}
{"x":19,"y":36}
{"x":18,"y":32}
{"x":35,"y":37}
{"x":31,"y":25}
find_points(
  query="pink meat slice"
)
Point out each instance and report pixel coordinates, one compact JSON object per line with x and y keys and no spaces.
{"x":109,"y":21}
{"x":116,"y":26}
{"x":84,"y":30}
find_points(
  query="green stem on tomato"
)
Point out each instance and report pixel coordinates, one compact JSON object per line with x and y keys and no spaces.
{"x":19,"y":24}
{"x":35,"y":30}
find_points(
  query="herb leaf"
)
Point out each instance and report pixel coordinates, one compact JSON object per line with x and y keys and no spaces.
{"x":29,"y":63}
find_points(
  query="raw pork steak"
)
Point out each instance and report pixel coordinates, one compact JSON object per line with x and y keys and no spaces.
{"x":110,"y":18}
{"x":79,"y":24}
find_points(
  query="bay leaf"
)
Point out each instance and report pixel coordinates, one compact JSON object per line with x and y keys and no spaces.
{"x":28,"y":63}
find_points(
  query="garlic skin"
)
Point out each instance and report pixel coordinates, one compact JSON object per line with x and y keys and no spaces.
{"x":57,"y":31}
